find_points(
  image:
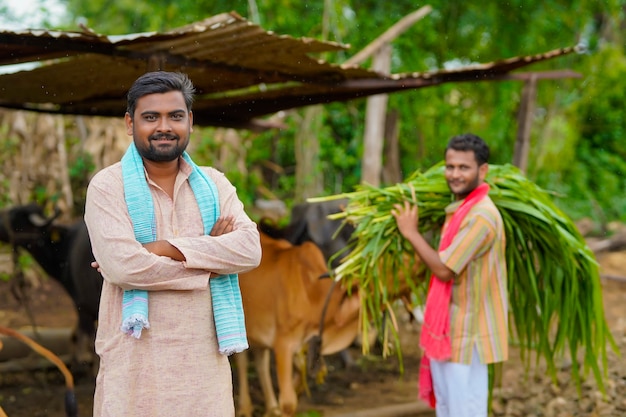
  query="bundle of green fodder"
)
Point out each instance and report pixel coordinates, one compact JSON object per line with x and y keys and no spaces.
{"x":554,"y":283}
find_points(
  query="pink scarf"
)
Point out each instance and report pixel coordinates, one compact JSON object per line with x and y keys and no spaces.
{"x":435,"y":336}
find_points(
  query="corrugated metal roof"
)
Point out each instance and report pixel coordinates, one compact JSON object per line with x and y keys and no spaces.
{"x":241,"y":72}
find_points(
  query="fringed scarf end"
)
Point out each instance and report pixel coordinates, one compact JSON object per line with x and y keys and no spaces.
{"x":425,"y":389}
{"x":232,"y":349}
{"x":134,"y":324}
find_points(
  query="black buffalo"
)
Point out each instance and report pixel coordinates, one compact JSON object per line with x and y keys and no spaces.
{"x":64,"y":253}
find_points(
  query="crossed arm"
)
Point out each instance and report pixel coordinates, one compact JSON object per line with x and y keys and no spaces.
{"x":222,"y":226}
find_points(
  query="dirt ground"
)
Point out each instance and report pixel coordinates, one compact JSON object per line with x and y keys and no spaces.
{"x":371,"y":383}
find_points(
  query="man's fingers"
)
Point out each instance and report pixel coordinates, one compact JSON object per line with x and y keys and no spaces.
{"x":96,"y":266}
{"x":230,"y":224}
{"x":223,"y":225}
{"x":400,"y":209}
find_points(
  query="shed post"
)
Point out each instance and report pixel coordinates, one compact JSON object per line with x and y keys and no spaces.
{"x":524,"y":122}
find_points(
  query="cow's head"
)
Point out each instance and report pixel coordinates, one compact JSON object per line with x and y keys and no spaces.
{"x":21,"y":225}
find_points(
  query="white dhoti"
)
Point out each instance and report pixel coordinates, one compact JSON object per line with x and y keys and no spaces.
{"x":461,"y":390}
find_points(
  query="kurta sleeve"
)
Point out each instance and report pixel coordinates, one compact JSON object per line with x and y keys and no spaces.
{"x":123,"y":260}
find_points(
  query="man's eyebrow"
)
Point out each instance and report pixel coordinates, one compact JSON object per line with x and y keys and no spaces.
{"x":152,"y":112}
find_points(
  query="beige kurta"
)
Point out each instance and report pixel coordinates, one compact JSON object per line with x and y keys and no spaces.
{"x":174,"y":369}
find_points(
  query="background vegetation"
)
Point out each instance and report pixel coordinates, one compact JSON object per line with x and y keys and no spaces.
{"x":577,"y":148}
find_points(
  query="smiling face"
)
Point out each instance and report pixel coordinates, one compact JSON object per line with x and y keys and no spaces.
{"x":160,"y":126}
{"x":463,"y":174}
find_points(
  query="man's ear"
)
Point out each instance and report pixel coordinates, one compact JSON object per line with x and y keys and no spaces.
{"x":482,"y":171}
{"x":190,"y":121}
{"x":129,"y":124}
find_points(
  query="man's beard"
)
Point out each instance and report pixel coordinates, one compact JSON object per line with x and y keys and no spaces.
{"x":470,"y":186}
{"x":154,"y":153}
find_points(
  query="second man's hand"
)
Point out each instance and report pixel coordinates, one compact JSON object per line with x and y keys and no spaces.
{"x":407,"y":218}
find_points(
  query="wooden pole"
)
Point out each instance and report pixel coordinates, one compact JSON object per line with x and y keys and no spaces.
{"x":374,"y":135}
{"x":527,"y":107}
{"x":375,"y":124}
{"x":391,"y":173}
{"x":525,"y":121}
{"x":309,"y":178}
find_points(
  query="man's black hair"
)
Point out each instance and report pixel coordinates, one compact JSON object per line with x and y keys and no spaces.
{"x":159,"y":82}
{"x":470,"y":142}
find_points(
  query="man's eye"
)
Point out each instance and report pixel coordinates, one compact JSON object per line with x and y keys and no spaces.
{"x":177,"y":116}
{"x":150,"y":117}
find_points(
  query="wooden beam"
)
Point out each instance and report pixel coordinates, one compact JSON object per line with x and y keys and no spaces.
{"x":390,"y":34}
{"x":540,"y":75}
{"x":391,"y":85}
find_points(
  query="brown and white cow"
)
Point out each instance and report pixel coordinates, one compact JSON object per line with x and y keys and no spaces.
{"x":283,"y":299}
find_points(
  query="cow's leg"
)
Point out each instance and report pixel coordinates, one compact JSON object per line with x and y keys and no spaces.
{"x":245,"y":402}
{"x":287,"y":396}
{"x":262,"y":365}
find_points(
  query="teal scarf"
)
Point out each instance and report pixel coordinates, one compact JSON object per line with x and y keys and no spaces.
{"x":226,"y":296}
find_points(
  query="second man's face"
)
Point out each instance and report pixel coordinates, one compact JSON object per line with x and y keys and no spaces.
{"x":160,"y":126}
{"x":463,"y":174}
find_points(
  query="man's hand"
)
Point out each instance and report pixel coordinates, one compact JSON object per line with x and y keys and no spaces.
{"x":407,"y":218}
{"x":223,"y":225}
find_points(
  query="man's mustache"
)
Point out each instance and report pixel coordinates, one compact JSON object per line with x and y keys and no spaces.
{"x":168,"y":136}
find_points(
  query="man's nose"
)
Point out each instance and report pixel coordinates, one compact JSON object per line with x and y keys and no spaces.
{"x":164,"y":125}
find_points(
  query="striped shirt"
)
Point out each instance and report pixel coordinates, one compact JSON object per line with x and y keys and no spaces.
{"x":479,"y":305}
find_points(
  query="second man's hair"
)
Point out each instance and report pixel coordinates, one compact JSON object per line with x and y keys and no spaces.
{"x":470,"y":142}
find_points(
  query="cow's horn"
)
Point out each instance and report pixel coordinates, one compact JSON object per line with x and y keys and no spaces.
{"x":40,"y":221}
